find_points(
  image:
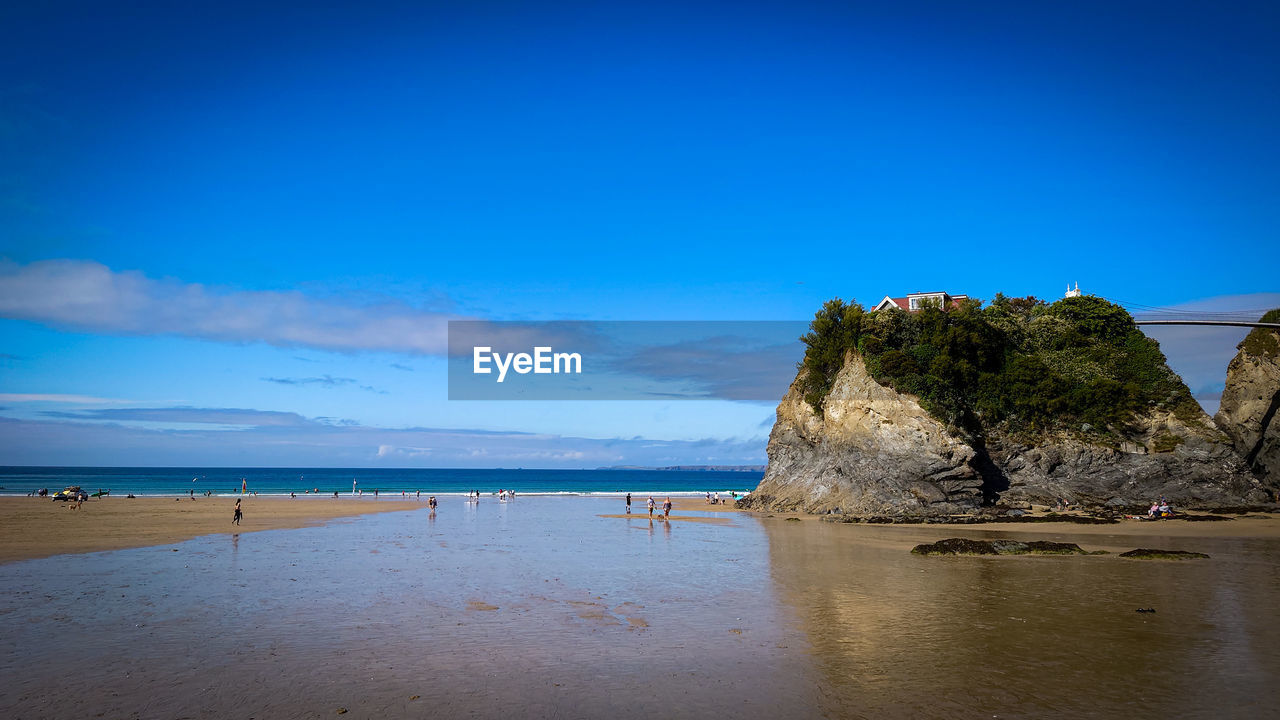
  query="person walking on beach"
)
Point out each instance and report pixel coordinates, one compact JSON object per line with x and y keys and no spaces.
{"x":235,"y":519}
{"x":666,"y":508}
{"x":652,"y":505}
{"x":628,"y":503}
{"x":431,"y":503}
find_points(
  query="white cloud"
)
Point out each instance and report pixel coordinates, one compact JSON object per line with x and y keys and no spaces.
{"x":266,"y":438}
{"x":87,"y":296}
{"x":56,"y":398}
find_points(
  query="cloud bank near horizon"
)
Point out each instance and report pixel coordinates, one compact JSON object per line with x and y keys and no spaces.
{"x":270,"y":438}
{"x":87,"y":296}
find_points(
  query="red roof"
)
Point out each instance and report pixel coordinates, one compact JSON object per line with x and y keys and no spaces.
{"x":904,"y":303}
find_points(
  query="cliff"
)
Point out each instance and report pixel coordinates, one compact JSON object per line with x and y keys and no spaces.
{"x":1046,"y":406}
{"x":1251,"y":398}
{"x":872,"y":451}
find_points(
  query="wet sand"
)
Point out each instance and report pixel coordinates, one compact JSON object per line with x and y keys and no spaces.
{"x":548,"y":607}
{"x":686,"y":505}
{"x":901,"y":636}
{"x":1256,"y":525}
{"x":33,"y":527}
{"x":38,"y":527}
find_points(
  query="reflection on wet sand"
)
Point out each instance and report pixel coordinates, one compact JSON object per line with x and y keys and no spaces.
{"x":545,"y":608}
{"x":898,"y":635}
{"x":538,"y":609}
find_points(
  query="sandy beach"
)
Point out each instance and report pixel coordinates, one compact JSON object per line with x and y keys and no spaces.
{"x":38,"y":527}
{"x":32,"y":527}
{"x":566,"y":610}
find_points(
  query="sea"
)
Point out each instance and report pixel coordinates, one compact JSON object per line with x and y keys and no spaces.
{"x":163,"y":481}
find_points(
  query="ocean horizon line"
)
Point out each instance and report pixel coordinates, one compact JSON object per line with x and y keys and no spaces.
{"x":610,"y":468}
{"x":348,"y":482}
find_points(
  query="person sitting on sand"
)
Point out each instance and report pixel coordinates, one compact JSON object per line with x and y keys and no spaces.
{"x":666,"y":509}
{"x":652,"y":505}
{"x":1164,"y":509}
{"x":1155,"y":507}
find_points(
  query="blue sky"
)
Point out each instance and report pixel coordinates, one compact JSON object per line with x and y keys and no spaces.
{"x":219,"y":209}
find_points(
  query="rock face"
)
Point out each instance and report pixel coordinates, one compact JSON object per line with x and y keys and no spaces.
{"x":1250,"y":401}
{"x":871,"y":452}
{"x":1188,"y":462}
{"x":874,"y":451}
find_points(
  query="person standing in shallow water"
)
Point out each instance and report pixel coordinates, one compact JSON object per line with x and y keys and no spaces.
{"x":666,"y":508}
{"x":652,"y":505}
{"x":235,"y":519}
{"x":628,"y":503}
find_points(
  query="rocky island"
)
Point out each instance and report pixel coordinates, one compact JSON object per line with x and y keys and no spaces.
{"x":1252,"y":397}
{"x":944,"y":411}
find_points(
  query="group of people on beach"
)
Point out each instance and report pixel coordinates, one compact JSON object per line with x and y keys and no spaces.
{"x":653,"y":505}
{"x":1159,"y":508}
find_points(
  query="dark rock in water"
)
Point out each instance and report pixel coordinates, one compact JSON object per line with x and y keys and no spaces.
{"x":793,"y":519}
{"x":1246,"y":509}
{"x":966,"y":519}
{"x":1150,"y":554}
{"x":965,"y":546}
{"x":1058,"y":518}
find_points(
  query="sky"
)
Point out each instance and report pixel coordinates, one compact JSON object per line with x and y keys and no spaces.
{"x":233,"y":234}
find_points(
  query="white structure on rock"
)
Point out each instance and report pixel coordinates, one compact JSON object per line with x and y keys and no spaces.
{"x":912,"y":302}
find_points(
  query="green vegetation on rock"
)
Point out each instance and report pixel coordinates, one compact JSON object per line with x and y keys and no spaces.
{"x":1023,"y":365}
{"x":1166,"y":442}
{"x":1264,"y":342}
